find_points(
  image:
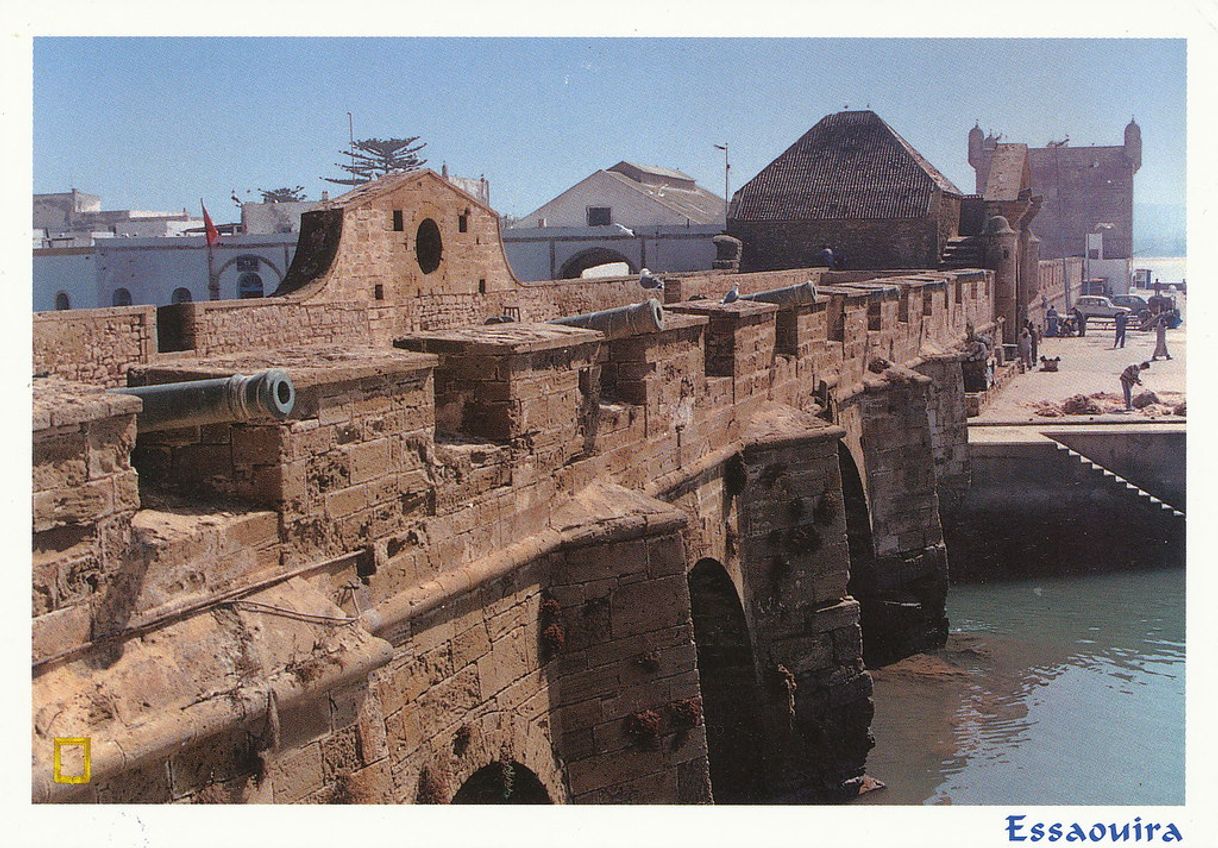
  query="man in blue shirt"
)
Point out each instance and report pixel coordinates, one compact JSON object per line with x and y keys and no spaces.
{"x":1121,"y":320}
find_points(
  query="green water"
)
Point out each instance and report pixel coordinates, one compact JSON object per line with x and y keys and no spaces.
{"x":1050,"y":691}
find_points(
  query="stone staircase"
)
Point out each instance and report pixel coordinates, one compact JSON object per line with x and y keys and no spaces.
{"x":962,"y":252}
{"x":1112,"y":479}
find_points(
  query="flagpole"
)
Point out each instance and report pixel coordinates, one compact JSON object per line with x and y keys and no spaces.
{"x":213,"y":282}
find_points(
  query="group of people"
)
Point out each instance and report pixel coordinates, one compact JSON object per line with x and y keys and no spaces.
{"x":1075,"y":323}
{"x":1028,"y":344}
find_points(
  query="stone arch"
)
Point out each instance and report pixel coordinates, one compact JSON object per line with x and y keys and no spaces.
{"x":857,"y":514}
{"x":727,"y":675}
{"x":503,"y":782}
{"x":861,"y":544}
{"x":259,"y":260}
{"x":590,"y":258}
{"x":485,"y":741}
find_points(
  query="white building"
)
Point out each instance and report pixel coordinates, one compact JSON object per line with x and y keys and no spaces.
{"x":158,"y":271}
{"x":631,"y":195}
{"x":628,"y":216}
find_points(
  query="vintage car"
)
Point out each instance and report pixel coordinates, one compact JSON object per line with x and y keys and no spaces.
{"x":1094,"y":306}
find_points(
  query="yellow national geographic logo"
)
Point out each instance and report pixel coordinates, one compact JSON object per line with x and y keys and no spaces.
{"x":74,"y":751}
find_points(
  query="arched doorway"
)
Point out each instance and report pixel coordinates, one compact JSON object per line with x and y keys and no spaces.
{"x":62,"y":301}
{"x":502,"y":783}
{"x":730,"y":694}
{"x":574,"y":267}
{"x":121,"y":297}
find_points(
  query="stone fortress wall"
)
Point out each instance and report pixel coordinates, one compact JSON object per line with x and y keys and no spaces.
{"x":519,"y":559}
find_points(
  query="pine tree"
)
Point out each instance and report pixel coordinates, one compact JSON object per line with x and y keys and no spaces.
{"x":375,"y":157}
{"x":282,"y":195}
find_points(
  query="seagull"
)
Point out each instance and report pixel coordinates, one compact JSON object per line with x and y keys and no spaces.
{"x":625,"y":230}
{"x":649,"y":281}
{"x":733,"y":295}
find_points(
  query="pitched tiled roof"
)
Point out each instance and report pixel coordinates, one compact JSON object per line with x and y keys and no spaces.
{"x":850,"y":165}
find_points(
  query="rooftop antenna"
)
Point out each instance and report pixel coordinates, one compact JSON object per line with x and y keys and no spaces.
{"x":351,"y":139}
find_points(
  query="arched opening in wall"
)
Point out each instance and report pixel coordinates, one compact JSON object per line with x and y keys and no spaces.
{"x":594,"y":257}
{"x":121,"y":297}
{"x":730,"y":695}
{"x":249,"y":285}
{"x":858,"y":534}
{"x":428,"y":246}
{"x":62,"y":301}
{"x":181,"y":295}
{"x":502,"y":783}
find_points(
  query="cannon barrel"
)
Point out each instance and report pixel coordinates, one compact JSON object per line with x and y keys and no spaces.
{"x":646,"y":317}
{"x":267,"y":394}
{"x":785,"y":296}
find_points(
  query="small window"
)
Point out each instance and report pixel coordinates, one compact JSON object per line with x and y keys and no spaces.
{"x":541,"y":222}
{"x":378,"y":291}
{"x":249,"y":285}
{"x":398,"y":225}
{"x":62,"y":301}
{"x":247,"y":263}
{"x":482,"y":286}
{"x":121,"y":297}
{"x":600,"y":216}
{"x":463,"y":222}
{"x":181,"y":295}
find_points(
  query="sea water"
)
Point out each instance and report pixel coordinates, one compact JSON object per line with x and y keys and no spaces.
{"x":1051,"y":691}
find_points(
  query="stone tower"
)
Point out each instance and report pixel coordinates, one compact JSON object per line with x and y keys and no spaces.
{"x":1133,"y":144}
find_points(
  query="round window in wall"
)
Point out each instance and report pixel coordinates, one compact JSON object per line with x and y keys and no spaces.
{"x":181,"y":295}
{"x":121,"y":297}
{"x":249,"y":284}
{"x":62,"y":301}
{"x":428,"y":246}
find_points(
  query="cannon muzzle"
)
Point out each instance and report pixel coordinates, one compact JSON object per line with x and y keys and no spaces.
{"x":633,"y":320}
{"x":785,"y":296}
{"x":224,"y":400}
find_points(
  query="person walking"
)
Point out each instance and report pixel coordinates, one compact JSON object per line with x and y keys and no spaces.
{"x":1024,"y":346}
{"x":1051,"y":320}
{"x":1082,"y":322}
{"x":1122,"y":321}
{"x":1035,"y":334}
{"x":1131,"y":377}
{"x":1160,"y":339}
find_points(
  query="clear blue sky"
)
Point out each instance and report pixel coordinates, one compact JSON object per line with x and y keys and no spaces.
{"x":156,"y":123}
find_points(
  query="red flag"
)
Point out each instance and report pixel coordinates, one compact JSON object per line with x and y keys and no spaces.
{"x":213,"y":235}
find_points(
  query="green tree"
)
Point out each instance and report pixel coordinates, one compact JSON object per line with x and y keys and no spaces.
{"x":282,"y":195}
{"x":375,"y":157}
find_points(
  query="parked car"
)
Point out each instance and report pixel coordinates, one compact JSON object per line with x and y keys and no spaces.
{"x":1094,"y":306}
{"x":1134,"y":303}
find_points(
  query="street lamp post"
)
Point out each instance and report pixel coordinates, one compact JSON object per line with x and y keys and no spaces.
{"x":727,"y":191}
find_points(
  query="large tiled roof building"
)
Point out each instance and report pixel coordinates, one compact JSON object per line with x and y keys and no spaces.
{"x":851,"y":182}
